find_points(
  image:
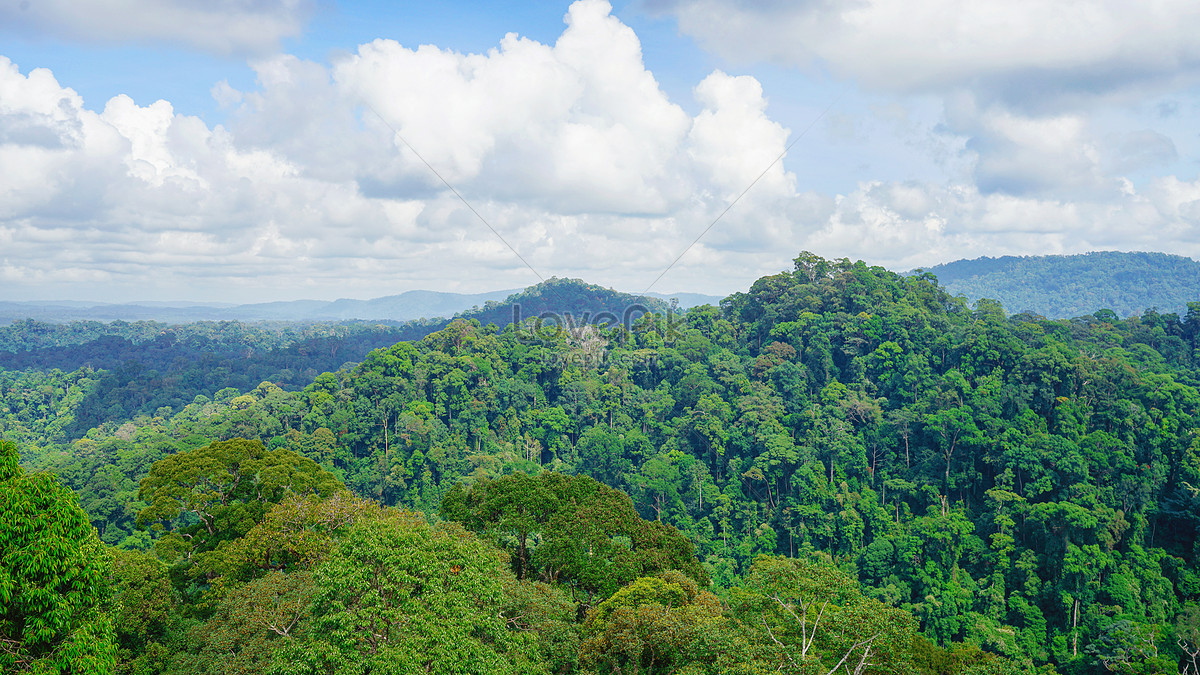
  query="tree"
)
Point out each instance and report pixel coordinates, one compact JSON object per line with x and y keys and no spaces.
{"x":247,"y":624}
{"x":54,"y":599}
{"x":654,"y":625}
{"x":149,"y":609}
{"x":590,"y":537}
{"x":399,"y":596}
{"x":295,"y":535}
{"x":1187,"y":636}
{"x":225,"y":488}
{"x":1127,"y":647}
{"x":266,"y":585}
{"x":548,"y":612}
{"x":805,"y":615}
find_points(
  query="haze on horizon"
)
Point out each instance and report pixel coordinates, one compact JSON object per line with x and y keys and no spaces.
{"x":227,"y":152}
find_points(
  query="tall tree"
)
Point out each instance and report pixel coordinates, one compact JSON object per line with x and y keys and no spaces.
{"x":55,"y":610}
{"x":399,"y":596}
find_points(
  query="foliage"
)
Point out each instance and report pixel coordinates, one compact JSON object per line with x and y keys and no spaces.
{"x":399,"y":596}
{"x":225,"y":488}
{"x":54,"y":616}
{"x":1023,"y":489}
{"x":149,"y":610}
{"x":1077,"y":285}
{"x":808,"y":616}
{"x":588,"y":535}
{"x":654,"y":625}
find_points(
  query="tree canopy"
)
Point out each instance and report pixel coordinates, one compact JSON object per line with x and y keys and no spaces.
{"x":54,"y":600}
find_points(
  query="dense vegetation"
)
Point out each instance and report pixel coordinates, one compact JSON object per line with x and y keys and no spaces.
{"x":950,"y":489}
{"x":63,"y":379}
{"x":1077,"y":285}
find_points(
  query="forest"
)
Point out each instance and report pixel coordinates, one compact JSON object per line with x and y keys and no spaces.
{"x":1064,"y":286}
{"x":841,"y":469}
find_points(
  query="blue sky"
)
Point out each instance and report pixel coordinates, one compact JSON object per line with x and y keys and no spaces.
{"x":245,"y":151}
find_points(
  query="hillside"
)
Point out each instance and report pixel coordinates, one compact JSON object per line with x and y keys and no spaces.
{"x":1066,"y":286}
{"x":555,"y":299}
{"x":1009,"y":494}
{"x":143,"y":366}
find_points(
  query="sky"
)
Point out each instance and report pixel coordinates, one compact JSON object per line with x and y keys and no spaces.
{"x":262,"y":150}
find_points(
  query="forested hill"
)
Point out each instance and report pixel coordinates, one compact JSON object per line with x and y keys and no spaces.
{"x":129,"y":368}
{"x":1021,"y":491}
{"x":566,"y":301}
{"x":1065,"y":286}
{"x":408,"y":306}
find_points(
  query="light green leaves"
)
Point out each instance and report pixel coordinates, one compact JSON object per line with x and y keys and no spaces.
{"x":399,"y":596}
{"x":53,"y":595}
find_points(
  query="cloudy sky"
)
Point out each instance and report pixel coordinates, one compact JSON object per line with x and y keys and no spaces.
{"x":255,"y":150}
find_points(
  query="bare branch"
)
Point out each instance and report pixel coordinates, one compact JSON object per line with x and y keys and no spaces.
{"x":862,"y":643}
{"x":782,"y":646}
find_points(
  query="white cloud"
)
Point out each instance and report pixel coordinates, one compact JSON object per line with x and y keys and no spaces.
{"x":732,"y":135}
{"x":218,"y":26}
{"x":1041,"y":93}
{"x":906,"y":225}
{"x":577,"y":126}
{"x":1016,"y":50}
{"x":1022,"y":155}
{"x":571,"y":151}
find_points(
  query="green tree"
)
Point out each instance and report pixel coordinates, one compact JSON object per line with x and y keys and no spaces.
{"x":804,"y":615}
{"x":398,"y":596}
{"x":148,"y":614}
{"x":654,"y":625}
{"x":589,"y":535}
{"x":54,"y":598}
{"x":224,"y":489}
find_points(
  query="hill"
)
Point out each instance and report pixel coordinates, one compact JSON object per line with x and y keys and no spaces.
{"x":142,"y":366}
{"x":1065,"y":286}
{"x":556,"y":298}
{"x":1018,"y":489}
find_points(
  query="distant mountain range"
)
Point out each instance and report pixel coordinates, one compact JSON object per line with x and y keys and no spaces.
{"x":399,"y":308}
{"x":1056,"y":286}
{"x":1066,"y":286}
{"x":285,"y":352}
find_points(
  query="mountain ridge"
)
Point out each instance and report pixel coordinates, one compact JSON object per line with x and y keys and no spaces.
{"x":1067,"y":286}
{"x":407,"y":306}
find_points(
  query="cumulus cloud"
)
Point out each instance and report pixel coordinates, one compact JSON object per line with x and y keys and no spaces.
{"x":571,"y":151}
{"x":217,"y":26}
{"x":906,"y":225}
{"x":1025,"y":84}
{"x":1023,"y":50}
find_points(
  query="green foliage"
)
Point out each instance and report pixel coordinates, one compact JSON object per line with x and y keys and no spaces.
{"x":1015,"y":486}
{"x":399,"y":596}
{"x":149,"y":610}
{"x":226,"y":487}
{"x":295,"y":535}
{"x":546,"y":611}
{"x":54,"y":602}
{"x":248,"y":623}
{"x":1077,"y":285}
{"x":588,"y":534}
{"x":806,"y":614}
{"x":654,"y":625}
